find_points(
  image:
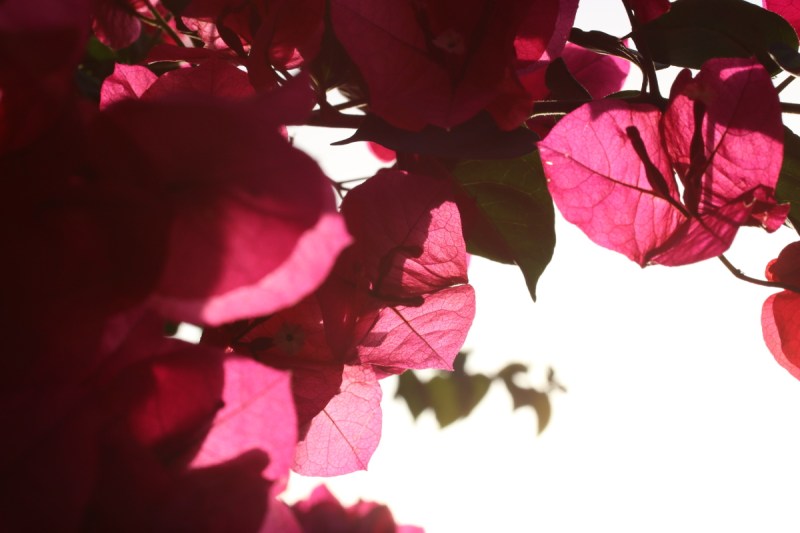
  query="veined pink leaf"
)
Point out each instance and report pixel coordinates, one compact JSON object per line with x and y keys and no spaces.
{"x":258,"y":413}
{"x":126,"y":82}
{"x":424,"y":336}
{"x":407,"y":232}
{"x":723,"y":132}
{"x":343,"y":436}
{"x":600,"y":183}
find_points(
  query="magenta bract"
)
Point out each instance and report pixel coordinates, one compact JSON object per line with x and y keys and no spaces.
{"x":610,"y":166}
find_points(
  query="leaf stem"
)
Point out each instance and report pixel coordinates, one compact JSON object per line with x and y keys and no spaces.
{"x":764,"y":283}
{"x":647,"y":64}
{"x":327,"y":119}
{"x":785,"y":83}
{"x":164,"y":24}
{"x":789,"y":107}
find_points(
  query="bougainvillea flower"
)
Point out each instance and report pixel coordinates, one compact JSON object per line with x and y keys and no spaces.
{"x":36,"y":73}
{"x":321,"y":511}
{"x":281,"y":34}
{"x":610,"y":166}
{"x":253,"y":226}
{"x":780,"y":316}
{"x":443,"y":62}
{"x":338,"y":406}
{"x":397,"y":298}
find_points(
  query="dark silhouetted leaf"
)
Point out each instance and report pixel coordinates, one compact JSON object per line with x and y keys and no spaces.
{"x":788,"y":189}
{"x":562,"y":83}
{"x":414,"y":392}
{"x":603,"y":43}
{"x":478,"y":138}
{"x":786,"y":57}
{"x":513,"y":220}
{"x":694,"y":31}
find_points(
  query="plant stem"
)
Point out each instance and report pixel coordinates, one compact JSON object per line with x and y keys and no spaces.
{"x":164,"y":25}
{"x":334,"y":120}
{"x":739,"y":274}
{"x":785,"y":83}
{"x":788,"y":107}
{"x":647,"y":60}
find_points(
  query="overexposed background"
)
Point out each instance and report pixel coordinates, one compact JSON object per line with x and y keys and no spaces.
{"x":676,"y":416}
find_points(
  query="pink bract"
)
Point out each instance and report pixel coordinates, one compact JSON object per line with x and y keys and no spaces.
{"x":599,"y":182}
{"x":343,"y":437}
{"x":321,"y":511}
{"x":610,"y":166}
{"x":253,"y":226}
{"x":780,"y":316}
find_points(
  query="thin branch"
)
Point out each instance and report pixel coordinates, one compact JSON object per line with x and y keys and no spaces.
{"x":785,"y":83}
{"x":788,"y":107}
{"x":741,"y":275}
{"x":334,"y":120}
{"x":164,"y":24}
{"x":648,"y":66}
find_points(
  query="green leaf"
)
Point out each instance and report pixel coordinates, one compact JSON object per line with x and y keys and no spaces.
{"x":453,"y":398}
{"x":788,"y":189}
{"x":694,"y":31}
{"x":414,"y":392}
{"x":508,"y":213}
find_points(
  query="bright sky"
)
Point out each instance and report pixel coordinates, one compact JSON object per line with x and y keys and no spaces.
{"x":677,"y":418}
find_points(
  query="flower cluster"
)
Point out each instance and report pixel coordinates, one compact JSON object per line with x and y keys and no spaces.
{"x":150,"y":181}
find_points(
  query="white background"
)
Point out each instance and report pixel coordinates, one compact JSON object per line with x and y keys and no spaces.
{"x":677,"y":418}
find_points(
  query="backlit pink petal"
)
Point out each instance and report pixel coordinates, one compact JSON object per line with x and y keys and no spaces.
{"x":321,"y":511}
{"x":127,"y":82}
{"x":342,"y":438}
{"x":705,"y":236}
{"x":599,"y":74}
{"x":786,"y":268}
{"x":385,"y":155}
{"x":115,"y":23}
{"x":215,"y":77}
{"x":424,"y":336}
{"x":258,"y":413}
{"x":302,"y":271}
{"x":780,"y":322}
{"x":600,"y":183}
{"x":408,"y":233}
{"x":253,"y":221}
{"x":723,"y":132}
{"x":788,"y":9}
